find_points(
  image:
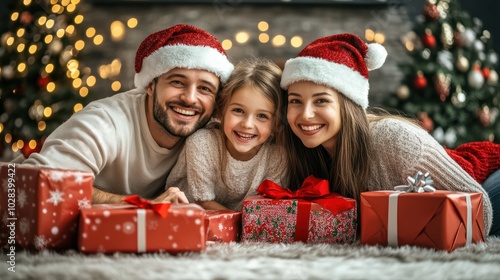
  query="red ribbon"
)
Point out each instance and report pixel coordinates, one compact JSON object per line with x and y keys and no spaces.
{"x":159,"y":208}
{"x":312,"y":190}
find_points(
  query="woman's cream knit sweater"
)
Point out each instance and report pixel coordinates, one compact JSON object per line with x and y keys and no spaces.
{"x":401,"y":149}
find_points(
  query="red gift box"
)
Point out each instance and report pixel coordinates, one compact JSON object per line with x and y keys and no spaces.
{"x":309,"y":215}
{"x":40,"y":207}
{"x":131,"y":228}
{"x":223,"y":225}
{"x":443,"y":220}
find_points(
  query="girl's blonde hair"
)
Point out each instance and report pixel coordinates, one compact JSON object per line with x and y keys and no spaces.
{"x":264,"y":76}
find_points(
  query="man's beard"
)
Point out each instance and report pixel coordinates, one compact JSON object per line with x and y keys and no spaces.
{"x":181,"y":129}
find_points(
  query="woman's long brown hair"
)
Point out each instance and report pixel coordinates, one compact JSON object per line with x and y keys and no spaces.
{"x":347,"y":167}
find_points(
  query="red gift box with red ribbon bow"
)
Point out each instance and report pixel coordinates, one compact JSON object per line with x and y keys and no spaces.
{"x":311,"y":214}
{"x":142,"y":226}
{"x":40,"y":207}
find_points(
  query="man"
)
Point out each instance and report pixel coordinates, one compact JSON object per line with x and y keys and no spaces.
{"x":131,"y":140}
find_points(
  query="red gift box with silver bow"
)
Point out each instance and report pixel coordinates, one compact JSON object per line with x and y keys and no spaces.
{"x":142,"y":226}
{"x":40,"y":207}
{"x":443,"y":220}
{"x":311,"y":214}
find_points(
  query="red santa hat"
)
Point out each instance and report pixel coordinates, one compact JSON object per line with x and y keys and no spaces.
{"x":339,"y":61}
{"x":182,"y":46}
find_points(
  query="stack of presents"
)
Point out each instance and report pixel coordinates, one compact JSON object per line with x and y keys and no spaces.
{"x":51,"y":209}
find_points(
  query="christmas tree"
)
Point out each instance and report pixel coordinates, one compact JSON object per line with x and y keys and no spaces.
{"x":43,"y":81}
{"x":451,"y":84}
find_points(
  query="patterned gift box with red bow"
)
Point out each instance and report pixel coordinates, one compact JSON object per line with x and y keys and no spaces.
{"x":40,"y":207}
{"x":311,"y":215}
{"x":142,"y":226}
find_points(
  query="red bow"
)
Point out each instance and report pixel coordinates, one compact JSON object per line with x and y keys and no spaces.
{"x":160,"y":208}
{"x":312,"y":189}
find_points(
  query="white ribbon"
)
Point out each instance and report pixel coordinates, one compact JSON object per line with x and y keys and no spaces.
{"x":392,"y":220}
{"x":141,"y":230}
{"x":469,"y":219}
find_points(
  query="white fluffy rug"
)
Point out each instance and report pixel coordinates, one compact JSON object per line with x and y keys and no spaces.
{"x":267,"y":261}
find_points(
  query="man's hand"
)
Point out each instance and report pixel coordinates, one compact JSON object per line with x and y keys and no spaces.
{"x":173,"y":195}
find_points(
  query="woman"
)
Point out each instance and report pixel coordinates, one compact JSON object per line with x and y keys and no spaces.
{"x":331,"y":135}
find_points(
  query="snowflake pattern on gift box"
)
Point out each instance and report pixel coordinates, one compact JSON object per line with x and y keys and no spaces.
{"x":79,"y":178}
{"x":5,"y":185}
{"x":56,"y":175}
{"x":269,"y":221}
{"x":21,"y":198}
{"x":4,"y":218}
{"x":24,"y":226}
{"x":40,"y":242}
{"x":55,"y":197}
{"x":84,"y":203}
{"x":153,"y":224}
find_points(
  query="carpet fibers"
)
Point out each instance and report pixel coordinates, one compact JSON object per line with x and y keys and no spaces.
{"x":266,"y":261}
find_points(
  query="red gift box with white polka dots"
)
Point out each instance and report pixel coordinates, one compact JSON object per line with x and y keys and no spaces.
{"x":127,"y":228}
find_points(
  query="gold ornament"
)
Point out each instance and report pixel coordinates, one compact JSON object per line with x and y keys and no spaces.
{"x":458,"y":98}
{"x":462,"y":63}
{"x":447,"y":35}
{"x":492,"y":78}
{"x":403,"y":92}
{"x":443,"y":7}
{"x":442,"y":85}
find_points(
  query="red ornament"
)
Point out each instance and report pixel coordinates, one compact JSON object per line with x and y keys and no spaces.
{"x":42,"y":82}
{"x":427,"y":122}
{"x":431,"y":12}
{"x":486,"y":73}
{"x":27,"y":150}
{"x":428,"y":40}
{"x":458,"y":38}
{"x":26,"y":18}
{"x":484,"y":116}
{"x":420,"y":82}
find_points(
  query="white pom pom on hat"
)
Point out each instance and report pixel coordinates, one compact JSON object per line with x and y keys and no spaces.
{"x":375,"y":56}
{"x":340,"y":61}
{"x":183,"y":46}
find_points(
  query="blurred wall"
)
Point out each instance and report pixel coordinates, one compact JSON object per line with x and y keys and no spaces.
{"x":225,"y":20}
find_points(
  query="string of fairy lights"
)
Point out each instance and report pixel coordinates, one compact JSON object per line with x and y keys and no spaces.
{"x":82,"y":77}
{"x":242,"y":37}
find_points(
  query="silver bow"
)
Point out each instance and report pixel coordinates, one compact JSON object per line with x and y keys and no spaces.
{"x":419,"y":183}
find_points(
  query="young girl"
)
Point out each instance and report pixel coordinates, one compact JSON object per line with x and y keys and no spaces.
{"x":330,"y":135}
{"x":220,"y":166}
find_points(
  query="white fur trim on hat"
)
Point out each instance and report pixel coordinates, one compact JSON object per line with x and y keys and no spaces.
{"x":375,"y":56}
{"x":183,"y":56}
{"x":337,"y":76}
